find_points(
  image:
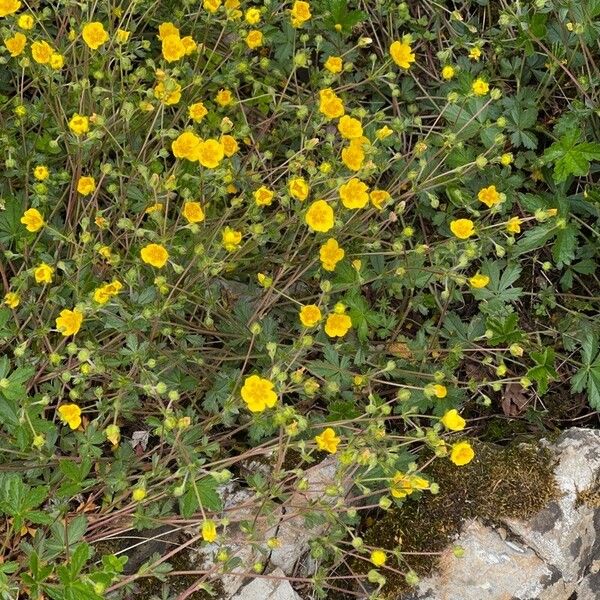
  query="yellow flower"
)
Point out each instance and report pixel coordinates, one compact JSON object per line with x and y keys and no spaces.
{"x":41,"y":173}
{"x":350,"y":127}
{"x":79,"y":124}
{"x":328,"y":441}
{"x":43,"y":273}
{"x":337,"y":325}
{"x":378,"y":558}
{"x":113,"y":434}
{"x":8,"y":7}
{"x":506,"y":159}
{"x":354,"y":194}
{"x":165,"y":29}
{"x":264,"y":280}
{"x":462,"y":228}
{"x":86,"y":185}
{"x":334,"y":64}
{"x":12,"y":300}
{"x":480,"y":87}
{"x":156,"y":207}
{"x":231,"y":239}
{"x":319,"y":216}
{"x":94,"y":35}
{"x":69,"y":321}
{"x":209,"y":531}
{"x":230,"y":146}
{"x":57,"y":61}
{"x":210,"y":153}
{"x":155,"y":255}
{"x":330,"y":254}
{"x":172,"y":48}
{"x":193,"y":213}
{"x":211,"y":5}
{"x":15,"y":44}
{"x":379,"y":198}
{"x":448,"y":72}
{"x":41,"y":52}
{"x":383,"y":132}
{"x":224,"y":98}
{"x":300,"y":13}
{"x":513,"y":225}
{"x":138,"y":494}
{"x":123,"y":36}
{"x":353,"y":155}
{"x":453,"y":421}
{"x":168,"y":92}
{"x":254,"y":39}
{"x":197,"y":111}
{"x":189,"y":44}
{"x":489,"y":196}
{"x":187,"y":145}
{"x":402,"y":54}
{"x":439,"y":390}
{"x":330,"y":104}
{"x":462,"y":454}
{"x":403,"y":485}
{"x":310,"y":315}
{"x":101,"y":295}
{"x":252,"y":16}
{"x":263,"y":196}
{"x":475,"y":53}
{"x":258,"y":393}
{"x":26,"y":22}
{"x":104,"y":293}
{"x":70,"y":414}
{"x":479,"y":281}
{"x":33,"y":220}
{"x":299,"y":188}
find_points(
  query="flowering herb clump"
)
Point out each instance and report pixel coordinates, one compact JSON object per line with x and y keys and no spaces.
{"x":299,"y":235}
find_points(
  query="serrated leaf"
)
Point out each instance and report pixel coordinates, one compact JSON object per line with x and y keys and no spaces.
{"x":563,"y":250}
{"x":570,"y":156}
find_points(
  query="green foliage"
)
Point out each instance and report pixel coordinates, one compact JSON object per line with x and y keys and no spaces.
{"x":199,"y":378}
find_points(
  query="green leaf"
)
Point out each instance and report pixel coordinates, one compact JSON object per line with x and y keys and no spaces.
{"x":543,"y":371}
{"x":11,"y":227}
{"x":18,"y":500}
{"x":589,"y":375}
{"x":570,"y":156}
{"x":563,"y":250}
{"x":535,"y":238}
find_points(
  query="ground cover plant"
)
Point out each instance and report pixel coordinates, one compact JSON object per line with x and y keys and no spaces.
{"x":239,"y":231}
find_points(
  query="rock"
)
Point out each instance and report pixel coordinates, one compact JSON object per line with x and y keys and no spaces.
{"x":564,"y":533}
{"x":285,"y":522}
{"x":292,"y":533}
{"x":268,"y":589}
{"x":554,"y":555}
{"x":492,"y":568}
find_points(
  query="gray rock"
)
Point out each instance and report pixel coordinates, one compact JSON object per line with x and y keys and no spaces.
{"x":492,"y":569}
{"x":292,"y":533}
{"x":555,"y":555}
{"x":268,"y":589}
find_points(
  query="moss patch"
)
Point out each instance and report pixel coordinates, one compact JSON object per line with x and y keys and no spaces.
{"x":152,"y":587}
{"x":591,"y":496}
{"x":501,"y":482}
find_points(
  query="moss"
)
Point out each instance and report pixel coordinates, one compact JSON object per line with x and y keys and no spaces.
{"x":501,"y":482}
{"x":151,"y":587}
{"x":590,"y":496}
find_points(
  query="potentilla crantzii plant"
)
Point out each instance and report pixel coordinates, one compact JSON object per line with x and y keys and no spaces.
{"x":242,"y":241}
